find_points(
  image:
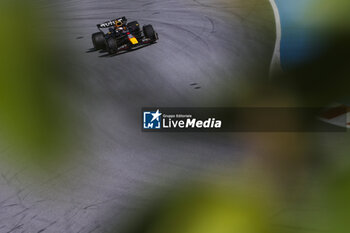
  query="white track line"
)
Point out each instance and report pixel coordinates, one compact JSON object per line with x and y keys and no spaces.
{"x":275,"y":66}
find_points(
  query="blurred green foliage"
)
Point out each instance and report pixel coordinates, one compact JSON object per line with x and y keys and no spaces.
{"x":34,"y":122}
{"x":328,"y":15}
{"x":32,"y":115}
{"x":209,"y":208}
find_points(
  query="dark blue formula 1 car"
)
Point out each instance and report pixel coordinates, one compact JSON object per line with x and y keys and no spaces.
{"x":122,"y":35}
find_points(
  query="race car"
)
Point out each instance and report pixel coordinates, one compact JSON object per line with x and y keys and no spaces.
{"x":122,"y":35}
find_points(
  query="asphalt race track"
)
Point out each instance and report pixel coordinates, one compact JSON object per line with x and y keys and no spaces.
{"x":206,"y":49}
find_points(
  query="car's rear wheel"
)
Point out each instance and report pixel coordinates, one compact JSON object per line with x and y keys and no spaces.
{"x":149,"y":33}
{"x":98,"y":40}
{"x":111,"y":45}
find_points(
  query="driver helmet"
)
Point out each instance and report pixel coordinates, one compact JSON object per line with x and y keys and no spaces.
{"x":118,"y":24}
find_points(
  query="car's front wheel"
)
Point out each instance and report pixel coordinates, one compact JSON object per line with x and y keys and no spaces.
{"x":149,"y":33}
{"x":98,"y":40}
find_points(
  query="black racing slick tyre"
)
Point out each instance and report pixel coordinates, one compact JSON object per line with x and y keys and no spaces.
{"x":111,"y":46}
{"x":149,"y":33}
{"x":98,"y":40}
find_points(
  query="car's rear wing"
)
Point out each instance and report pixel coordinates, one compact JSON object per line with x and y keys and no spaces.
{"x":111,"y":23}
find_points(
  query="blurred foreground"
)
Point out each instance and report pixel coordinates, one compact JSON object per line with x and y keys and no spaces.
{"x":285,"y":182}
{"x":35,"y":79}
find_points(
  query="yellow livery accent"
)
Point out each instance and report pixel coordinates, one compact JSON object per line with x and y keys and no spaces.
{"x":134,"y":40}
